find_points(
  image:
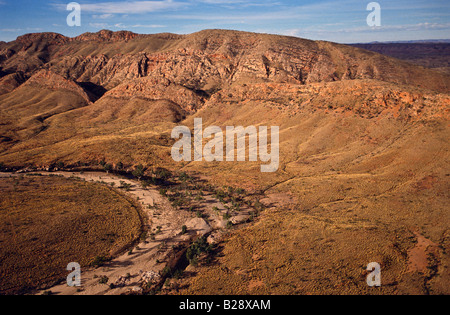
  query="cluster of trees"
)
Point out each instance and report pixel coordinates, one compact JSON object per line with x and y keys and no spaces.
{"x":199,"y":247}
{"x":159,"y":175}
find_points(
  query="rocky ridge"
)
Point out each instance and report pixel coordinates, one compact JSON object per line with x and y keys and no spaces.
{"x":204,"y":61}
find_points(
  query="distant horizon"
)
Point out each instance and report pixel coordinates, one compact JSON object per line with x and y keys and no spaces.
{"x":424,"y":41}
{"x":344,"y":21}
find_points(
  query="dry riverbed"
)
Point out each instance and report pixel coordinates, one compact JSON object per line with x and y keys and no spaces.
{"x":164,"y":244}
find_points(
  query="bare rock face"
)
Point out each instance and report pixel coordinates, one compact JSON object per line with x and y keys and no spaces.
{"x":199,"y":226}
{"x":158,"y":89}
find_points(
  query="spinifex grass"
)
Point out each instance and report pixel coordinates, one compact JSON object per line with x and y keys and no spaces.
{"x":48,"y":222}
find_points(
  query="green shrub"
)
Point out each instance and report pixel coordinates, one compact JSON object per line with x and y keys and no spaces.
{"x":143,"y":236}
{"x":99,"y":261}
{"x":258,"y":206}
{"x":125,"y":186}
{"x":166,"y":272}
{"x":184,"y":177}
{"x":162,"y":173}
{"x":103,"y":280}
{"x":138,"y":171}
{"x":108,"y":168}
{"x":196,"y":249}
{"x":220,"y":194}
{"x":178,"y":274}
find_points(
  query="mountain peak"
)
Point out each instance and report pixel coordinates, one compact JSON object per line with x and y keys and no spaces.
{"x":107,"y":35}
{"x":50,"y":37}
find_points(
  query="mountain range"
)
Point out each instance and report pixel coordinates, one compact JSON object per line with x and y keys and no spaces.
{"x":364,"y":155}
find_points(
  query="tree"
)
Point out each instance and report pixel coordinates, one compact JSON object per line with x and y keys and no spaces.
{"x":125,"y":186}
{"x":162,"y":173}
{"x":184,"y":177}
{"x":108,"y":168}
{"x":139,"y":171}
{"x":196,"y":249}
{"x":103,"y":280}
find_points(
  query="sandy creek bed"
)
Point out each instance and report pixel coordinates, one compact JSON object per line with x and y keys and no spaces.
{"x":146,"y":262}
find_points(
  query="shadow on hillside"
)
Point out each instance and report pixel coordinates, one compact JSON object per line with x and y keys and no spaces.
{"x":94,"y":91}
